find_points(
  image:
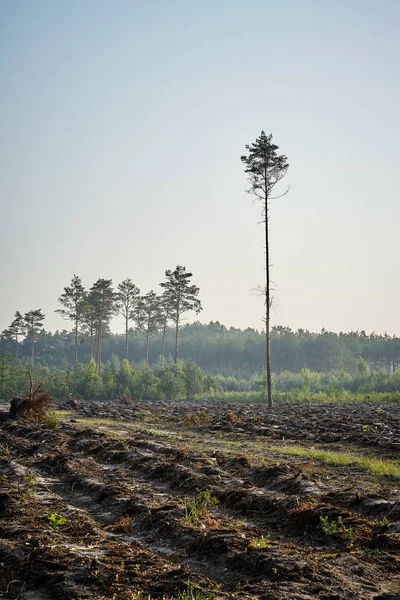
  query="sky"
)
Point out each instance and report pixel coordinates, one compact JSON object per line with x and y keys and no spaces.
{"x":121,"y":129}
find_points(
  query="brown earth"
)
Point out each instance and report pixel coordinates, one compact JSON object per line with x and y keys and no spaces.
{"x":122,"y":475}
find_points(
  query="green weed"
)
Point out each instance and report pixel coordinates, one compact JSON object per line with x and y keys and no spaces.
{"x":55,"y":520}
{"x":30,"y":480}
{"x":385,"y":523}
{"x":192,"y":594}
{"x":198,"y":506}
{"x":261,"y":542}
{"x":336,"y":527}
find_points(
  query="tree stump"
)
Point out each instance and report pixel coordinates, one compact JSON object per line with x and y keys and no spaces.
{"x":18,"y":408}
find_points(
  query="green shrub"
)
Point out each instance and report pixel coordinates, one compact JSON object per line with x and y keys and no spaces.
{"x":51,"y":420}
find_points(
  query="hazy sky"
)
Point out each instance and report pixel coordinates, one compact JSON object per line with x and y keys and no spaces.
{"x":122,"y":125}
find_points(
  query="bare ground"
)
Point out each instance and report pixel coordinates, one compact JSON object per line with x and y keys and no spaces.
{"x":120,"y":476}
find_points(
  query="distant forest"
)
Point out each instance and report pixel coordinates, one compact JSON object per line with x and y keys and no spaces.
{"x":218,"y":349}
{"x":155,"y":334}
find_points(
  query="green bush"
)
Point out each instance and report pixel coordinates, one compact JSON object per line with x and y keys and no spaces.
{"x":51,"y":420}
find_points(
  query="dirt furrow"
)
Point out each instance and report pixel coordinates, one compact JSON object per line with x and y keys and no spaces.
{"x":282,"y":529}
{"x":137,"y":511}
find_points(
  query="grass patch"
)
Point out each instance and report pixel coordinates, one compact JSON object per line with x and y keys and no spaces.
{"x":129,"y":425}
{"x":337,"y":397}
{"x":374,"y":466}
{"x":64,"y":413}
{"x":108,"y":422}
{"x":296,"y":396}
{"x":192,"y":594}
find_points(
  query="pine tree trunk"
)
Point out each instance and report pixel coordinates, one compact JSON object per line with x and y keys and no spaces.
{"x":99,"y":340}
{"x":267,"y":307}
{"x":163,"y":342}
{"x":91,"y":343}
{"x":126,"y":335}
{"x":33,"y":352}
{"x":16,"y":347}
{"x":147,"y":346}
{"x":76,"y":344}
{"x":176,"y":338}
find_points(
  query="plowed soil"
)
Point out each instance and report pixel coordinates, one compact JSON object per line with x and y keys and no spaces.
{"x":123,"y":476}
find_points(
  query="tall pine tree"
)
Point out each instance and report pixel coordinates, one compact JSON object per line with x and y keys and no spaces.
{"x":265,"y":168}
{"x":73,"y":302}
{"x":180,"y":297}
{"x":102,"y":304}
{"x":127,"y":297}
{"x":15,"y":330}
{"x":149,"y":317}
{"x":34,"y":326}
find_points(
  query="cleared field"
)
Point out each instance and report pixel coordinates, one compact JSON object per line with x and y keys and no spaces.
{"x":182,"y":500}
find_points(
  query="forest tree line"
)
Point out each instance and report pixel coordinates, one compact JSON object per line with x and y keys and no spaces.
{"x":154,"y":331}
{"x":219,"y":349}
